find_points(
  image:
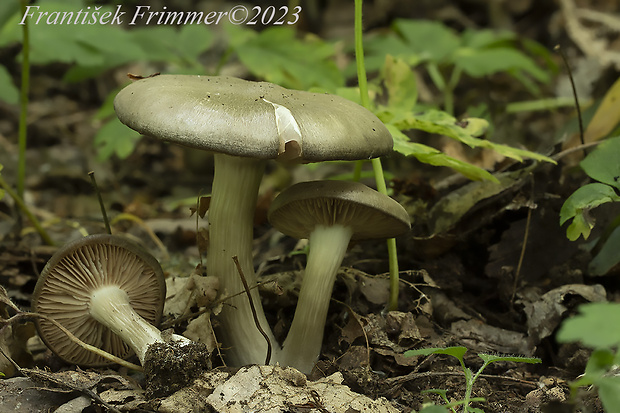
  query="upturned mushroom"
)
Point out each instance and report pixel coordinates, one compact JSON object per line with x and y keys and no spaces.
{"x":108,"y":292}
{"x":244,"y":124}
{"x":329,"y":214}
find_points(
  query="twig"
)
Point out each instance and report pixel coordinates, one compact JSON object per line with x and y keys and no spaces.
{"x":42,"y":376}
{"x":572,"y":82}
{"x":395,"y":381}
{"x":223,"y":300}
{"x":106,"y":221}
{"x":247,"y":292}
{"x":568,"y":151}
{"x":523,"y":247}
{"x":217,"y":347}
{"x":96,"y":350}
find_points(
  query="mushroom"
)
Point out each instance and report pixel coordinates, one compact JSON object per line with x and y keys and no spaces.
{"x":108,"y":292}
{"x":244,"y":124}
{"x":329,"y":214}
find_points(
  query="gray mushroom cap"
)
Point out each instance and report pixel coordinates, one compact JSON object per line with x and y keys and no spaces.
{"x":371,"y":215}
{"x":66,"y":283}
{"x":251,"y":119}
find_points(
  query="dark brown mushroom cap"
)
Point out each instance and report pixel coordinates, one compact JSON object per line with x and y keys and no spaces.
{"x":74,"y":272}
{"x":251,"y":119}
{"x":371,"y":215}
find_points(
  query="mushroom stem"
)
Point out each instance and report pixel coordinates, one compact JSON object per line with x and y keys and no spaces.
{"x":110,"y":306}
{"x":328,"y":245}
{"x":231,"y":222}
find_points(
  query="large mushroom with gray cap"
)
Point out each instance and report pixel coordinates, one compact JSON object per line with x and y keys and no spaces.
{"x":329,"y":214}
{"x":245,"y":124}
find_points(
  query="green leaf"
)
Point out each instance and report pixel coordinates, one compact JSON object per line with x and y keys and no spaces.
{"x":114,"y":138}
{"x":491,"y":358}
{"x":592,"y":326}
{"x":8,"y":92}
{"x":351,"y":93}
{"x":237,"y":36}
{"x":599,"y":363}
{"x":193,"y":40}
{"x":441,"y":392}
{"x":435,"y":157}
{"x":608,"y":257}
{"x":580,"y":202}
{"x":433,"y":408}
{"x":378,"y":46}
{"x":609,"y":393}
{"x":157,"y":42}
{"x":180,"y":48}
{"x":276,"y":55}
{"x":456,"y":351}
{"x":89,"y":45}
{"x":430,"y":40}
{"x":479,"y":63}
{"x":581,"y":226}
{"x":8,"y":10}
{"x":485,"y":38}
{"x":603,"y":163}
{"x":597,"y":373}
{"x":400,"y":84}
{"x":441,"y":123}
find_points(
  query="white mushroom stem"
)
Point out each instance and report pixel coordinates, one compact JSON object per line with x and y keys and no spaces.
{"x":231,"y":222}
{"x":111,"y":307}
{"x":328,"y":245}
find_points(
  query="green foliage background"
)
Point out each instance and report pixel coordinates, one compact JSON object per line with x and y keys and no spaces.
{"x":281,"y":55}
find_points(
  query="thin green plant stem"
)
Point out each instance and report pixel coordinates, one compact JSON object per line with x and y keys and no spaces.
{"x":376,"y":162}
{"x":448,"y":93}
{"x":469,"y":387}
{"x":22,"y":206}
{"x":357,"y":171}
{"x":23,"y":110}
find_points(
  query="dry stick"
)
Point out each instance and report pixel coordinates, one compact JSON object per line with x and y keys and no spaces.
{"x":568,"y":151}
{"x":38,"y":375}
{"x":523,"y":247}
{"x":258,"y":326}
{"x":4,"y":299}
{"x":100,"y":199}
{"x":217,"y":347}
{"x":178,"y":320}
{"x":76,"y":340}
{"x":572,"y":82}
{"x":396,"y":381}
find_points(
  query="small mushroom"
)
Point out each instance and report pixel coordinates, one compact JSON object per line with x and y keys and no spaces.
{"x":330,"y":214}
{"x":244,"y":124}
{"x":108,"y":292}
